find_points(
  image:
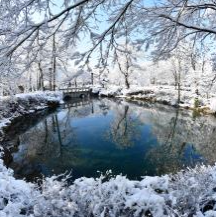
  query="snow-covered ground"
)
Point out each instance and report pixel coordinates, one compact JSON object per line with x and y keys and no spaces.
{"x":165,"y":94}
{"x":22,"y":104}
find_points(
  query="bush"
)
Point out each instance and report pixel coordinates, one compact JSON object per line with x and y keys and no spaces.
{"x":188,"y":193}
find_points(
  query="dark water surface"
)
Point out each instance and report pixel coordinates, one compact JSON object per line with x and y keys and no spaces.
{"x":133,"y":139}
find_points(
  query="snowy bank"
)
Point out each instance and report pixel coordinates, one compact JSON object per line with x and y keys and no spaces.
{"x":23,"y":104}
{"x":189,"y":193}
{"x":164,"y":94}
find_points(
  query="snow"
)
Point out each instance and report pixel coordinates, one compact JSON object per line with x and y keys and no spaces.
{"x":4,"y":123}
{"x":164,"y":94}
{"x":183,"y":194}
{"x":96,"y":89}
{"x":22,"y":104}
{"x":15,"y":194}
{"x":113,"y":91}
{"x":41,"y":95}
{"x":213,"y":104}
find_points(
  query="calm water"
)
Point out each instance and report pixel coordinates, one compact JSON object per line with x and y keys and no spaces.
{"x":127,"y":138}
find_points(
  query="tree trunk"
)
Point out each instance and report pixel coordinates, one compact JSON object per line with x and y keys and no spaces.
{"x":92,"y":79}
{"x":40,"y":79}
{"x":54,"y":64}
{"x":50,"y":78}
{"x":30,"y":82}
{"x":40,"y":82}
{"x":179,"y":81}
{"x":127,"y":84}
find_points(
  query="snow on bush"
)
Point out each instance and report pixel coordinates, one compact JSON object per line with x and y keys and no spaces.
{"x":41,"y":96}
{"x":15,"y":195}
{"x":189,"y":193}
{"x":111,"y":91}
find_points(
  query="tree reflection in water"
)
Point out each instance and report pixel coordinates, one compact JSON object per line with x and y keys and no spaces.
{"x":52,"y":142}
{"x":125,"y":128}
{"x":133,"y":138}
{"x":181,"y":143}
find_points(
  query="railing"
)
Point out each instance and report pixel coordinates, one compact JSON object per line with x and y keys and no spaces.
{"x":75,"y":89}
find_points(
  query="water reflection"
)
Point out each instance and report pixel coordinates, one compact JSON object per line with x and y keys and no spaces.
{"x":125,"y":129}
{"x":131,"y":138}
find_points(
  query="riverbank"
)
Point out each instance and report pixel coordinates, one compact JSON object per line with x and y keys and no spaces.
{"x":20,"y":105}
{"x":165,"y":94}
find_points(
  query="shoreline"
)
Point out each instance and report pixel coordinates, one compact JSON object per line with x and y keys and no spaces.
{"x":28,"y":105}
{"x":165,"y":95}
{"x":25,"y":105}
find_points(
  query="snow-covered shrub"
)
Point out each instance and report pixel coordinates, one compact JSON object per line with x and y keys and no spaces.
{"x":55,"y":199}
{"x":111,"y":92}
{"x":85,"y":197}
{"x":41,"y":97}
{"x":193,"y":193}
{"x":119,"y":196}
{"x":188,"y":193}
{"x":16,"y":196}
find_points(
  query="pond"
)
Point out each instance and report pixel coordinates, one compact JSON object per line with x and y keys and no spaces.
{"x":129,"y":138}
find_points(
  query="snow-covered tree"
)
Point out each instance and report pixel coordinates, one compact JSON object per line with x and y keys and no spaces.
{"x":101,"y":25}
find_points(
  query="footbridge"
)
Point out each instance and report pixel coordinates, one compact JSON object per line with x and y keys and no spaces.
{"x":75,"y":92}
